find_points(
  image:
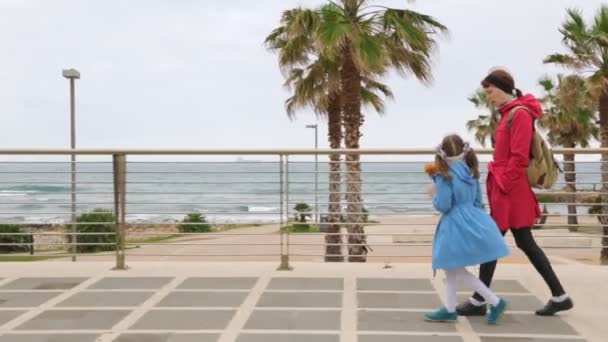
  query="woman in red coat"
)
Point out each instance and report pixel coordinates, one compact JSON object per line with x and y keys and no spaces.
{"x":513,"y":204}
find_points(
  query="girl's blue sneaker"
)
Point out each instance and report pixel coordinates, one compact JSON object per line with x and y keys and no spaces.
{"x":496,"y":312}
{"x":441,"y":315}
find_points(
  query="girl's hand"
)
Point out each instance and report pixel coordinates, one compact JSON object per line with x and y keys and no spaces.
{"x":431,"y":169}
{"x":431,"y":190}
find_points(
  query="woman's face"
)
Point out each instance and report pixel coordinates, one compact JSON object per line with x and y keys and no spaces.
{"x":495,"y":96}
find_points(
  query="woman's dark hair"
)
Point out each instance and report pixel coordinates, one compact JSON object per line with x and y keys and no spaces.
{"x":503,"y":81}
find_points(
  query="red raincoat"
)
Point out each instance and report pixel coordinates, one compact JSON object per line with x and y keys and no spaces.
{"x":512,"y":201}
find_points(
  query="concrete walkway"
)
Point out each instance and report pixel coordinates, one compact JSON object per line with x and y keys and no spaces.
{"x":252,"y":302}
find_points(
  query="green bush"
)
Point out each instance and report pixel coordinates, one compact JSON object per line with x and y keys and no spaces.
{"x":596,"y":209}
{"x":13,"y":228}
{"x":301,"y":228}
{"x":194,"y":223}
{"x":303,"y":210}
{"x":97,"y":215}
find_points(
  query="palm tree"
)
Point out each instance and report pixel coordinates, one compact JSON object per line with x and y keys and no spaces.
{"x":587,"y":46}
{"x":370,"y":40}
{"x":569,"y":118}
{"x":485,"y":124}
{"x":314,"y":79}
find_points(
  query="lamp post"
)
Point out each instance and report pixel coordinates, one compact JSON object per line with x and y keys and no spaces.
{"x":73,"y":75}
{"x":316,"y":128}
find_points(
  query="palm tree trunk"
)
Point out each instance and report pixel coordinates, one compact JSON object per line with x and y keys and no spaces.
{"x":604,"y":168}
{"x":570,"y":177}
{"x":353,"y":119}
{"x":333,"y":239}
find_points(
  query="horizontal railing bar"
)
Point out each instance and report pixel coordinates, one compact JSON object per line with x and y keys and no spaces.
{"x":268,"y":213}
{"x":61,"y":234}
{"x":367,"y":151}
{"x":293,"y":201}
{"x":205,"y":255}
{"x":59,"y":244}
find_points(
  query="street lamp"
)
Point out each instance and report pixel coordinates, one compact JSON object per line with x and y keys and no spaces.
{"x":316,"y":127}
{"x":73,"y":75}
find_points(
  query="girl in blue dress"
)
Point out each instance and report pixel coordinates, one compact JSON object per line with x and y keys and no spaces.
{"x":466,"y":235}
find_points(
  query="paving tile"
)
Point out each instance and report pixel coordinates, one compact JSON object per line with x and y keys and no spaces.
{"x":25,"y":299}
{"x":9,"y":315}
{"x":173,"y":337}
{"x":74,"y":320}
{"x":288,"y":338}
{"x":517,"y":303}
{"x":394,"y":284}
{"x":334,"y":284}
{"x":53,"y":283}
{"x":398,"y":300}
{"x":203,"y":299}
{"x":131,"y":283}
{"x":526,"y":324}
{"x":184,"y":320}
{"x":399,"y":321}
{"x":408,"y":338}
{"x":294,"y":320}
{"x":49,"y":338}
{"x":301,"y":300}
{"x":207,"y":283}
{"x":106,"y":299}
{"x":527,"y":339}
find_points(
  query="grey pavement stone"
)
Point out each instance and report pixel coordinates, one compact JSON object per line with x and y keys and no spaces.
{"x":129,"y":283}
{"x":74,"y":320}
{"x":408,"y":338}
{"x":9,"y":315}
{"x":173,"y":337}
{"x":184,"y":320}
{"x":394,"y":284}
{"x":523,"y":324}
{"x":526,"y":339}
{"x":49,"y":338}
{"x":294,"y":320}
{"x":334,"y":284}
{"x":203,"y":299}
{"x":288,"y":338}
{"x":106,"y":299}
{"x":301,"y":300}
{"x":53,"y":283}
{"x":517,"y":303}
{"x":208,"y":283}
{"x":399,"y":321}
{"x":398,"y":300}
{"x":25,"y":299}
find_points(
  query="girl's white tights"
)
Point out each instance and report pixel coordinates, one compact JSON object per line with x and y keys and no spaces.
{"x":453,"y":276}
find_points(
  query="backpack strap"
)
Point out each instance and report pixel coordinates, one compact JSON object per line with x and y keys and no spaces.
{"x":512,"y":115}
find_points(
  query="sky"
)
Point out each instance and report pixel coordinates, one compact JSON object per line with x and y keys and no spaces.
{"x":196,"y":75}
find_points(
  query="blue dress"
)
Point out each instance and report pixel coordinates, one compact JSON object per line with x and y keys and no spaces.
{"x":466,"y":235}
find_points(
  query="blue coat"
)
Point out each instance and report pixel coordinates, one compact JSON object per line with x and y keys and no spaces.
{"x":466,"y":235}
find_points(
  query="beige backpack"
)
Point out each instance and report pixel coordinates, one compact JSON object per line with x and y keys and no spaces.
{"x":543,"y":169}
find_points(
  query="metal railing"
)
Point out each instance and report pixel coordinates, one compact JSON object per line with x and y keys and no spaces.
{"x":249,"y":205}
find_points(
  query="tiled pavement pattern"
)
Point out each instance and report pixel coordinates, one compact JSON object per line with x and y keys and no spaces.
{"x":250,"y":309}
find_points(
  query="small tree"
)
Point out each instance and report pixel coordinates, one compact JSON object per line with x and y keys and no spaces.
{"x":194,"y":223}
{"x":18,"y":240}
{"x":303,"y":210}
{"x":97,"y":219}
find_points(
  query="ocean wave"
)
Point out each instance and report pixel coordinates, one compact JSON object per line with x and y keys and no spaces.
{"x":28,"y":189}
{"x":254,"y":209}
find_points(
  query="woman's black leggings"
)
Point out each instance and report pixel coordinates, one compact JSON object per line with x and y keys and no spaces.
{"x":525,"y":241}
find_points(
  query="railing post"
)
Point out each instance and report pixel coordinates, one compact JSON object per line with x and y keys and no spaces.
{"x":284,"y":199}
{"x":120,"y":185}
